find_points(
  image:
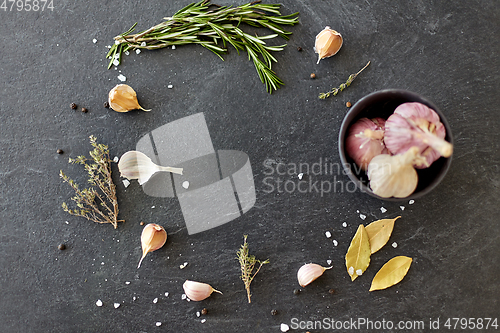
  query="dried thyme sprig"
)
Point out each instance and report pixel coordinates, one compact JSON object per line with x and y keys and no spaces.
{"x":335,"y":91}
{"x":247,"y":265}
{"x":214,"y":28}
{"x":97,"y":203}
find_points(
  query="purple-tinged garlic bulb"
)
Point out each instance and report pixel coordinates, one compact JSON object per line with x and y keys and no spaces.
{"x":416,"y":125}
{"x":365,"y":140}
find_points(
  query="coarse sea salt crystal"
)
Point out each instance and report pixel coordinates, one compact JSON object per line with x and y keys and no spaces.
{"x":116,"y":62}
{"x":411,"y":202}
{"x":138,"y":51}
{"x":116,"y":159}
{"x":344,"y":224}
{"x":362,"y":216}
{"x":394,"y":245}
{"x":300,"y":175}
{"x":127,"y":282}
{"x":359,"y":272}
{"x":198,"y":313}
{"x":402,"y":207}
{"x":203,"y":320}
{"x":94,"y":40}
{"x":383,"y":210}
{"x":185,"y":184}
{"x":170,"y":86}
{"x":328,"y":262}
{"x":126,"y":183}
{"x":122,"y":78}
{"x":284,"y":328}
{"x":335,"y":243}
{"x":183,"y":296}
{"x":328,"y":234}
{"x":143,"y":44}
{"x":351,"y":270}
{"x":98,"y":303}
{"x":117,"y":42}
{"x":116,"y":305}
{"x":166,"y":294}
{"x":173,"y":47}
{"x":127,"y":52}
{"x":158,"y":323}
{"x":155,"y":300}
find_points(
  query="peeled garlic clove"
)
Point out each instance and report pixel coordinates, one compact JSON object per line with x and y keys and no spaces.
{"x":136,"y":165}
{"x":198,"y":291}
{"x":328,"y":43}
{"x":123,"y":98}
{"x":310,"y":272}
{"x":394,"y":176}
{"x":153,"y":237}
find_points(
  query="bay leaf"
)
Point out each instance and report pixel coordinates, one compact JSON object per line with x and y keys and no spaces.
{"x":391,"y":273}
{"x":357,"y":257}
{"x":379,"y":233}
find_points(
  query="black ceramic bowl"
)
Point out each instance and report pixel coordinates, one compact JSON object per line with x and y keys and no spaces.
{"x":382,"y":104}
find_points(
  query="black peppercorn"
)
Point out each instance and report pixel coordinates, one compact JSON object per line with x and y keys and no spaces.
{"x":204,"y":311}
{"x":61,"y":247}
{"x":296,"y":291}
{"x":313,"y":76}
{"x":106,"y":105}
{"x":299,"y":48}
{"x":60,"y":151}
{"x":331,"y":291}
{"x":73,"y":106}
{"x":84,"y":110}
{"x":274,"y":312}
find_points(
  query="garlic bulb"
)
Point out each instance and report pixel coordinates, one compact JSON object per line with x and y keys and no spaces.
{"x":328,"y":43}
{"x":136,"y":165}
{"x":123,"y":98}
{"x":395,"y":176}
{"x":365,"y":140}
{"x":416,"y":125}
{"x":310,"y":272}
{"x":153,"y":237}
{"x":198,"y":291}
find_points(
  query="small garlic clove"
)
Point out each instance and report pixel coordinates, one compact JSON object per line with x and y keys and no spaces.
{"x":153,"y":237}
{"x":310,"y":272}
{"x":136,"y":165}
{"x":198,"y":291}
{"x":328,"y":43}
{"x":123,"y":98}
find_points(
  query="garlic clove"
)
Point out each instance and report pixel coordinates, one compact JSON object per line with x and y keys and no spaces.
{"x":365,"y":140}
{"x":153,"y":237}
{"x":394,"y":176}
{"x":328,"y":43}
{"x":123,"y":98}
{"x":198,"y":291}
{"x":310,"y":272}
{"x":136,"y":165}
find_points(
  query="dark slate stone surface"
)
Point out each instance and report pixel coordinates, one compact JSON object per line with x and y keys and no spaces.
{"x":446,"y":51}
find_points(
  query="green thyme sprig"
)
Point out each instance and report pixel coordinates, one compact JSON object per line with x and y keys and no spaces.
{"x":335,"y":91}
{"x":97,"y":203}
{"x":214,"y":27}
{"x":247,"y":265}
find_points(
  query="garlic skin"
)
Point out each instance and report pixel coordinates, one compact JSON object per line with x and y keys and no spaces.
{"x":416,"y":125}
{"x":365,"y":141}
{"x":153,"y":237}
{"x":198,"y":291}
{"x":123,"y":98}
{"x":395,"y":176}
{"x":328,"y":43}
{"x":136,"y":165}
{"x":310,"y":272}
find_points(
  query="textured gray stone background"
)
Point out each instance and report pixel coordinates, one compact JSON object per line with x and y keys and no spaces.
{"x":445,"y":50}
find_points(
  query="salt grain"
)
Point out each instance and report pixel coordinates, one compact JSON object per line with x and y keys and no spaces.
{"x":198,"y":313}
{"x":284,"y":328}
{"x":402,"y":207}
{"x":383,"y":210}
{"x":351,"y":270}
{"x":344,"y":224}
{"x":203,"y":320}
{"x":143,"y":44}
{"x":362,"y":216}
{"x":117,"y":42}
{"x":183,"y":265}
{"x":170,"y":86}
{"x":155,"y":300}
{"x":122,"y":78}
{"x":359,"y":272}
{"x":335,"y":243}
{"x":411,"y":202}
{"x":183,"y":296}
{"x":116,"y":62}
{"x":166,"y":294}
{"x":94,"y":40}
{"x":108,"y":46}
{"x":127,"y":282}
{"x":185,"y":184}
{"x":153,"y":207}
{"x":173,"y":47}
{"x":127,"y":52}
{"x":116,"y":305}
{"x":116,"y":159}
{"x":328,"y":234}
{"x":328,"y":262}
{"x":126,"y":183}
{"x":158,"y":323}
{"x":98,"y":303}
{"x":138,"y":51}
{"x":300,"y":175}
{"x":394,"y":245}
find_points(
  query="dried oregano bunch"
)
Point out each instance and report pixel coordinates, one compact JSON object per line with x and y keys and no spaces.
{"x":247,"y":265}
{"x":97,"y":203}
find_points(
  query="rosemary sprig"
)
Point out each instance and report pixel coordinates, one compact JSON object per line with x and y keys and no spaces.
{"x":215,"y":28}
{"x":247,"y":265}
{"x":97,"y":203}
{"x":335,"y":91}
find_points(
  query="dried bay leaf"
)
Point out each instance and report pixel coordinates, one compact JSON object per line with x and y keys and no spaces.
{"x":391,"y":273}
{"x":357,"y":257}
{"x":379,"y":233}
